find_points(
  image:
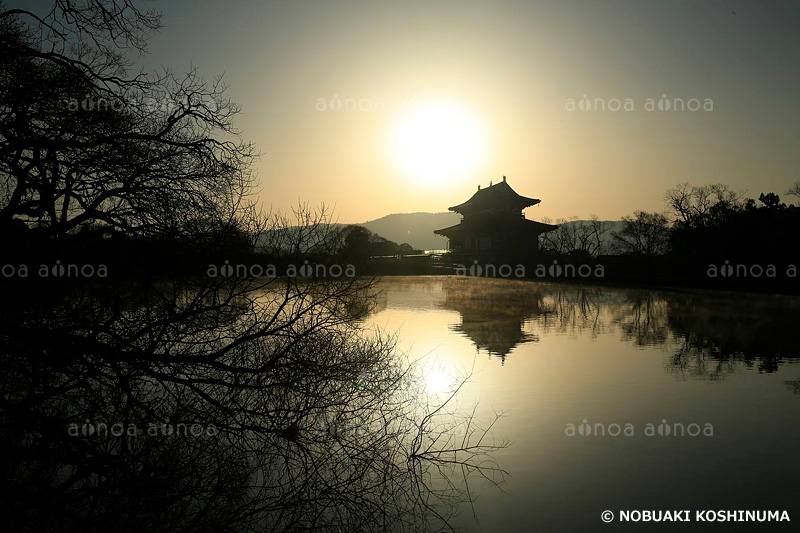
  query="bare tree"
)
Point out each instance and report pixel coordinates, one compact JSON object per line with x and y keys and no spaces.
{"x":644,"y":234}
{"x":572,"y":235}
{"x":694,"y":205}
{"x":245,"y":402}
{"x":83,"y":143}
{"x":794,"y":190}
{"x":592,"y":236}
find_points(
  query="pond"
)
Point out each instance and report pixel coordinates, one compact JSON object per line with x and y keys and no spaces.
{"x":613,"y":399}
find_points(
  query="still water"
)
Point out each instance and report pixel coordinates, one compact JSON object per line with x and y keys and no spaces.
{"x":631,"y":362}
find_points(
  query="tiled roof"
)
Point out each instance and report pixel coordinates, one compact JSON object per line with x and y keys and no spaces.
{"x":497,"y":195}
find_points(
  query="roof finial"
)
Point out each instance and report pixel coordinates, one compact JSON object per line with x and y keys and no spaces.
{"x":490,"y":183}
{"x":504,"y":179}
{"x":479,"y":186}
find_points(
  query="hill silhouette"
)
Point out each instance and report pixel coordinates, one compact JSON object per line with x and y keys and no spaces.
{"x":414,"y":228}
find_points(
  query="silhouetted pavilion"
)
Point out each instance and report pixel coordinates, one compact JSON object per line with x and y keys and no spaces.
{"x":494,"y":228}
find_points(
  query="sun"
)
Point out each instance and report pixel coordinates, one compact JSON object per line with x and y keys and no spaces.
{"x":437,"y":143}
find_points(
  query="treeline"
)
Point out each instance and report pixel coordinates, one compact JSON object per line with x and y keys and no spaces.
{"x":359,"y":243}
{"x":709,"y":235}
{"x":189,"y":251}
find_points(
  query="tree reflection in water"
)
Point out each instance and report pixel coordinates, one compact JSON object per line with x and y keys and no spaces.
{"x":708,"y":334}
{"x":304,"y":423}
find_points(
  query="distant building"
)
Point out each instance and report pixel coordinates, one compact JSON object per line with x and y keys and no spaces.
{"x":494,"y":228}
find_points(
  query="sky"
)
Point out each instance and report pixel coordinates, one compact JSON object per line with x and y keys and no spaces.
{"x":375,"y":108}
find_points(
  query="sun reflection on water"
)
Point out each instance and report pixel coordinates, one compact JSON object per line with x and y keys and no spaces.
{"x":441,"y":378}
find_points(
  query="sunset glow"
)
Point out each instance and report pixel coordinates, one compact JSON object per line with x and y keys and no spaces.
{"x":396,"y":267}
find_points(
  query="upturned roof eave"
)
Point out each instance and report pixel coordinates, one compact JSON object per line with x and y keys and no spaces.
{"x":522,"y":201}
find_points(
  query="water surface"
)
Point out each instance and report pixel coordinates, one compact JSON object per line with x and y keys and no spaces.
{"x":550,"y":355}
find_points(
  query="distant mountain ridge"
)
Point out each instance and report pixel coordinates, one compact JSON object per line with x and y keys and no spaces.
{"x":414,"y":228}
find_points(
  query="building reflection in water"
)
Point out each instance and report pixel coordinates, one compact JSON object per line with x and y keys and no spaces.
{"x":494,"y":322}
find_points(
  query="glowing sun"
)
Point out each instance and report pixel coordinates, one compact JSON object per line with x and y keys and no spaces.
{"x":437,"y":143}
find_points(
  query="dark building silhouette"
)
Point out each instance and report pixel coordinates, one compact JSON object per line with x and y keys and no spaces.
{"x":494,"y":228}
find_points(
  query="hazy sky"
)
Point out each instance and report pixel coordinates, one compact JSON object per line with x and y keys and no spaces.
{"x":472,"y":91}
